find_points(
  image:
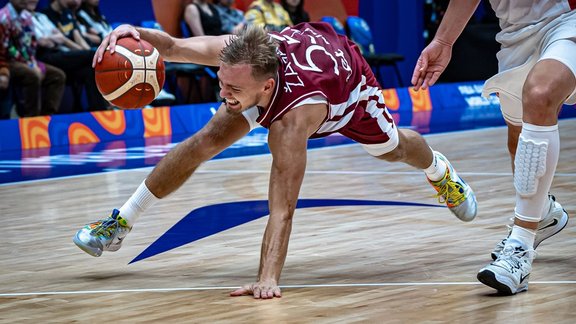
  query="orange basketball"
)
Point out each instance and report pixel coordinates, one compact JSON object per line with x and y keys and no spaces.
{"x":131,"y":77}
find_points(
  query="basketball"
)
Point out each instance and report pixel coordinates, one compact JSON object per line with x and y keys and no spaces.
{"x":131,"y":77}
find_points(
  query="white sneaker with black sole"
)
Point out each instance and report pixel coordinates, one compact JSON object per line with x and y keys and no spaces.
{"x":509,"y":273}
{"x":552,"y":224}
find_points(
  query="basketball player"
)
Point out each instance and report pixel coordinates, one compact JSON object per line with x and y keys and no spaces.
{"x":537,"y":69}
{"x":304,"y":82}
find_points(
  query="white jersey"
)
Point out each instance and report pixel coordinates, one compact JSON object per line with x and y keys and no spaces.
{"x":532,"y":30}
{"x":517,"y":14}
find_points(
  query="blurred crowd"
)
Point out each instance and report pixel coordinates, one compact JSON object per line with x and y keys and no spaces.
{"x":46,"y":53}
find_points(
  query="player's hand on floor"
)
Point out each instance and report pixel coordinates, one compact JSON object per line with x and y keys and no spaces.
{"x":260,"y":290}
{"x":109,"y":42}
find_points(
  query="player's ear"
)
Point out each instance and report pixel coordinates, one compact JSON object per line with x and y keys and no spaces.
{"x":269,"y":85}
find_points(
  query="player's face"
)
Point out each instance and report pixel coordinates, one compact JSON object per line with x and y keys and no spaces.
{"x":239,"y":89}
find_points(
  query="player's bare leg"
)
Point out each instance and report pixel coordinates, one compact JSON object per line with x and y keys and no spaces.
{"x":171,"y":172}
{"x":412,"y":149}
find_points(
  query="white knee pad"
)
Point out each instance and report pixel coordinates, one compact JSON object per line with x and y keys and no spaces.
{"x":530,"y":165}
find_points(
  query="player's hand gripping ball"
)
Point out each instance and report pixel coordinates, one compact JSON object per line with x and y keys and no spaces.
{"x":131,"y":77}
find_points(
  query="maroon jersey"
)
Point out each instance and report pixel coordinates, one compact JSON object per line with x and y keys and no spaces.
{"x":316,"y":62}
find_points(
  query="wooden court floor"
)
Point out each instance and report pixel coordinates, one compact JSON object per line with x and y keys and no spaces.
{"x":345,"y":264}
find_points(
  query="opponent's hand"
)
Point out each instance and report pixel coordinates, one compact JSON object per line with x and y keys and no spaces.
{"x":266,"y":289}
{"x":432,"y":62}
{"x":110,"y":41}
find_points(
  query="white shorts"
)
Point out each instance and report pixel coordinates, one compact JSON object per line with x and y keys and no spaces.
{"x":556,"y":40}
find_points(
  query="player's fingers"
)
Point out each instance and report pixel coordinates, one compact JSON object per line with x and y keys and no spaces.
{"x":277,"y":292}
{"x":433,"y":78}
{"x":135,"y":34}
{"x":418,"y":83}
{"x":416,"y":73}
{"x":100,"y":52}
{"x":240,"y":292}
{"x":112,"y":42}
{"x":257,"y":292}
{"x":420,"y":72}
{"x":267,"y":293}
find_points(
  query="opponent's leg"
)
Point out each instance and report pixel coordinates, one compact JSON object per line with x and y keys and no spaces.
{"x":548,"y":84}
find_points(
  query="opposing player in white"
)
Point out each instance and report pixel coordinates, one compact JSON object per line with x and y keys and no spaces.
{"x":537,"y":75}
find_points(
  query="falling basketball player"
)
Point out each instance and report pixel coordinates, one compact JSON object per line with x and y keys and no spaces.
{"x":304,"y":82}
{"x":537,"y":69}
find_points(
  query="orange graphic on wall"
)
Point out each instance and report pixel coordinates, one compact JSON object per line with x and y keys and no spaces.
{"x":157,"y":122}
{"x":112,"y":121}
{"x":391,"y":99}
{"x":421,"y":110}
{"x":79,"y":133}
{"x":420,"y":100}
{"x":34,"y":132}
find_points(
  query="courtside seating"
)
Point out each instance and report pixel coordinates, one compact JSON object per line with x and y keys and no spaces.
{"x":360,"y":33}
{"x":335,"y":23}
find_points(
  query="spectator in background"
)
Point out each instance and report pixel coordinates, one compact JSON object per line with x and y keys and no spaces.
{"x":5,"y":97}
{"x":296,"y":11}
{"x":91,"y":17}
{"x":232,"y":19}
{"x":64,"y":52}
{"x":42,"y":85}
{"x":268,"y":14}
{"x":202,"y":18}
{"x":62,"y":14}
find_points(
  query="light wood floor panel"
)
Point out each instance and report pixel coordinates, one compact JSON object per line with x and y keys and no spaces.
{"x":345,"y":264}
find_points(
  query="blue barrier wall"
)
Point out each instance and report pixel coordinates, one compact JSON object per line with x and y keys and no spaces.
{"x":397,"y":26}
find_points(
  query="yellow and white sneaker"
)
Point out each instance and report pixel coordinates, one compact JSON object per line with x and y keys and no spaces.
{"x":455,"y":192}
{"x":104,"y":235}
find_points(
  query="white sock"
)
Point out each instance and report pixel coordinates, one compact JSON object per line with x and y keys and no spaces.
{"x":531,"y":206}
{"x":437,"y":169}
{"x":522,"y":236}
{"x":139,"y":202}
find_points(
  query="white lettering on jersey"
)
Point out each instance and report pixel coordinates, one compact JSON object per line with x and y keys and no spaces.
{"x":311,"y":65}
{"x":291,"y":77}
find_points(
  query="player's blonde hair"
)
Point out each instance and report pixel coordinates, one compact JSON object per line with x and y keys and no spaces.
{"x":255,"y":47}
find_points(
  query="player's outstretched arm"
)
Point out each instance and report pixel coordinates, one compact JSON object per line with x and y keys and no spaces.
{"x":288,"y":142}
{"x":435,"y":57}
{"x":204,"y":50}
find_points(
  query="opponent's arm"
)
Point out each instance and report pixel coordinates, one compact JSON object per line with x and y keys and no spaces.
{"x":455,"y":19}
{"x":288,"y":142}
{"x":435,"y":57}
{"x":203,"y":50}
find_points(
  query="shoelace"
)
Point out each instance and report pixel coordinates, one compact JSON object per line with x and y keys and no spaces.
{"x":106,"y":227}
{"x":512,"y":257}
{"x":453,"y":196}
